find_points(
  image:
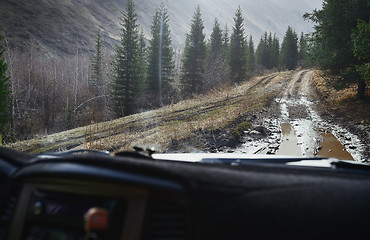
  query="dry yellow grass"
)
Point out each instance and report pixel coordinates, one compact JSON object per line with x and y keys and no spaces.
{"x":343,"y":102}
{"x":161,"y":127}
{"x":334,"y":96}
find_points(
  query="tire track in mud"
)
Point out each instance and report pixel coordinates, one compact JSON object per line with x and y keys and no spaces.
{"x":290,"y":120}
{"x":316,"y":137}
{"x":144,"y":122}
{"x":299,"y":136}
{"x":300,"y":131}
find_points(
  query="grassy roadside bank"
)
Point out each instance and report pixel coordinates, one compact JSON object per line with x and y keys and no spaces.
{"x":216,"y":118}
{"x":344,"y":108}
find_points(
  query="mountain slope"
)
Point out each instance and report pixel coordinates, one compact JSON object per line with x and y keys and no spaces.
{"x":272,"y":114}
{"x":62,"y":27}
{"x":222,"y":114}
{"x":58,"y":27}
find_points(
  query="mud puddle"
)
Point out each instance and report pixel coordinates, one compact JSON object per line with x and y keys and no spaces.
{"x":331,"y":147}
{"x":289,"y":145}
{"x":299,"y":129}
{"x":301,"y":137}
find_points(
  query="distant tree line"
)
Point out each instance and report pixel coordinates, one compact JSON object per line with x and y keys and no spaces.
{"x":147,"y":74}
{"x":42,"y":95}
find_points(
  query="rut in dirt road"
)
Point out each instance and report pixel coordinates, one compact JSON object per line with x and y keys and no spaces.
{"x":300,"y":131}
{"x":298,"y":120}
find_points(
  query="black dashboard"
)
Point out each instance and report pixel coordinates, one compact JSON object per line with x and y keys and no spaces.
{"x":132,"y":196}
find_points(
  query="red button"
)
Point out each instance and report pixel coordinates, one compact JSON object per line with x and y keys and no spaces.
{"x":96,"y":219}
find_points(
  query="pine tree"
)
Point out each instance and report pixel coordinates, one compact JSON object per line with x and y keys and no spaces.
{"x":259,"y":51}
{"x":216,"y":66}
{"x":361,"y":42}
{"x":216,"y":41}
{"x":266,"y":51}
{"x":96,"y":83}
{"x":289,"y":50}
{"x":225,"y":40}
{"x":143,"y":55}
{"x":251,"y":61}
{"x":127,"y":75}
{"x":237,"y":57}
{"x":332,"y":43}
{"x":275,"y":51}
{"x":303,"y":52}
{"x":192,"y":79}
{"x":161,"y":65}
{"x":4,"y":90}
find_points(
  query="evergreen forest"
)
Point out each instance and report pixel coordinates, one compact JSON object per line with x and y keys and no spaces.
{"x":147,"y":72}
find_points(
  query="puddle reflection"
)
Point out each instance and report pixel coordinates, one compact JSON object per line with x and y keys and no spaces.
{"x":289,"y":145}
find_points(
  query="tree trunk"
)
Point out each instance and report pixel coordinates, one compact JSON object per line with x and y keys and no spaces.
{"x":361,"y":89}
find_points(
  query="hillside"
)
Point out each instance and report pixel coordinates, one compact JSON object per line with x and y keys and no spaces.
{"x":170,"y":128}
{"x":273,"y":114}
{"x":60,"y":27}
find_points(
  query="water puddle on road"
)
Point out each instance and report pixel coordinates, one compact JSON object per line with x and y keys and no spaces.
{"x":289,"y":145}
{"x":300,"y":131}
{"x":327,"y":144}
{"x":332,"y":148}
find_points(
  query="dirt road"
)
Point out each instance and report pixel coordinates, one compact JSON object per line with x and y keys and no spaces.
{"x":299,"y":130}
{"x":270,"y":114}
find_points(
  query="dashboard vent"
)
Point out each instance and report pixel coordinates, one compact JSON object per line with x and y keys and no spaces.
{"x":167,"y":220}
{"x":7,"y":213}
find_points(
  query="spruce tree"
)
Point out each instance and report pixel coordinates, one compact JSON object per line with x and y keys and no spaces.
{"x":127,"y":75}
{"x":251,"y":60}
{"x":268,"y":51}
{"x":161,"y":65}
{"x":237,"y":56}
{"x":4,"y":91}
{"x":216,"y":41}
{"x":96,"y":82}
{"x":143,"y":57}
{"x":275,"y":51}
{"x":289,"y":50}
{"x":216,"y":67}
{"x":361,"y":42}
{"x":302,"y":47}
{"x":259,"y":51}
{"x":225,"y":40}
{"x":332,"y":42}
{"x":192,"y":79}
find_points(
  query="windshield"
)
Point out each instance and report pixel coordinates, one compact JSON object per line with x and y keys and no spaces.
{"x":256,"y":77}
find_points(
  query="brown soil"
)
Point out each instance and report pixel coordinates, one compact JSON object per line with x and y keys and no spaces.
{"x":332,"y":148}
{"x":342,"y":107}
{"x":224,"y":119}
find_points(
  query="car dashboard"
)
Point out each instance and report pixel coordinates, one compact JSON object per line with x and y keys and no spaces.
{"x":49,"y":197}
{"x":133,"y":196}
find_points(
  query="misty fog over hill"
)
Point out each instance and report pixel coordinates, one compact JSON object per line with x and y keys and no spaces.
{"x":60,"y":27}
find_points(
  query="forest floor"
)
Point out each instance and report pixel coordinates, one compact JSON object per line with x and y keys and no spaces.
{"x":285,"y":113}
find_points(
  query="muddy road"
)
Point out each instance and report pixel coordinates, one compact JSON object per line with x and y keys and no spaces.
{"x":273,"y":114}
{"x":299,"y":130}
